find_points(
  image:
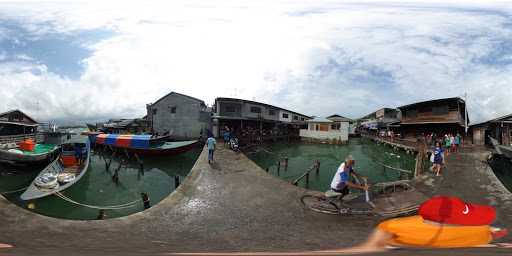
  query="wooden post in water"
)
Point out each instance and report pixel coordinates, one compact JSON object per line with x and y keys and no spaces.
{"x":420,"y":157}
{"x":176,"y":181}
{"x":266,"y":169}
{"x":278,"y":167}
{"x":286,"y":163}
{"x":307,"y":180}
{"x":141,"y":164}
{"x":317,"y":166}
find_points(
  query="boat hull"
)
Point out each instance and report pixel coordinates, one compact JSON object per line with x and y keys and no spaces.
{"x":33,"y":192}
{"x":162,"y":152}
{"x":506,"y":151}
{"x":10,"y":157}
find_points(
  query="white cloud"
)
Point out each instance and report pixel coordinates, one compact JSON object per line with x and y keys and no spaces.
{"x":313,"y":57}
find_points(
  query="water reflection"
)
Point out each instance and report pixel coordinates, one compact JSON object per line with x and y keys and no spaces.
{"x":97,"y":187}
{"x":369,"y":159}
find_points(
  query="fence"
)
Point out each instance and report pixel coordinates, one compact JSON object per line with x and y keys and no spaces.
{"x":37,"y":137}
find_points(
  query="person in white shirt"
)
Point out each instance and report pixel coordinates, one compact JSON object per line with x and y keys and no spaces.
{"x":341,"y":181}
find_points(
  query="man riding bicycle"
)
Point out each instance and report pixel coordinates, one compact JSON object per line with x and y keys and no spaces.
{"x":341,"y":181}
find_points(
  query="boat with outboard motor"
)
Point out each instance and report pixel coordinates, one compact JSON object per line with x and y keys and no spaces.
{"x":145,"y":145}
{"x":63,"y":172}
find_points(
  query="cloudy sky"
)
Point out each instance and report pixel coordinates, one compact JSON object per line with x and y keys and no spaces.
{"x":74,"y":61}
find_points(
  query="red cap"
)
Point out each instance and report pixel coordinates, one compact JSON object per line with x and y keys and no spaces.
{"x":452,"y":210}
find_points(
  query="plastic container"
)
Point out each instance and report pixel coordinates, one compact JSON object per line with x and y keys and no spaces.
{"x":27,"y":145}
{"x":68,"y":161}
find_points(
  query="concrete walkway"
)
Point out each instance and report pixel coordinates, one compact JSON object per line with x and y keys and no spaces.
{"x":232,"y":205}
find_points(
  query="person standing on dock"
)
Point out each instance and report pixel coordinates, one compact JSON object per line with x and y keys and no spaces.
{"x":438,"y":159}
{"x":227,"y":136}
{"x":211,"y":143}
{"x":458,"y":140}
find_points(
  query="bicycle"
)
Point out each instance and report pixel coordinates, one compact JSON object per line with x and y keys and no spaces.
{"x":390,"y":199}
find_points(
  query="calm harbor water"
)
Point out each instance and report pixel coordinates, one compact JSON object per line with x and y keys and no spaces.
{"x":97,"y":188}
{"x":502,"y":167}
{"x":368,"y":155}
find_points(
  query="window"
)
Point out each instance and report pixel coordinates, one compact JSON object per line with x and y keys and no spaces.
{"x":311,"y":127}
{"x":154,"y":111}
{"x":271,"y":112}
{"x":438,"y":111}
{"x":335,"y":126}
{"x":255,"y":110}
{"x":411,"y":113}
{"x":173,"y":110}
{"x":316,"y":127}
{"x":285,"y":115}
{"x":324,"y":127}
{"x":302,"y":119}
{"x":230,"y":109}
{"x":295,"y":118}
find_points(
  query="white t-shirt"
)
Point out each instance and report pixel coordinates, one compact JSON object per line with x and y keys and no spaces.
{"x":337,"y":179}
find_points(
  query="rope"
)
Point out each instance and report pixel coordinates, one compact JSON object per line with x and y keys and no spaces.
{"x":14,"y":191}
{"x":112,"y":207}
{"x":121,"y":206}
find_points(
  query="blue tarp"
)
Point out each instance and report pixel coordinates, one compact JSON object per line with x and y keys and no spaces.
{"x":124,"y":141}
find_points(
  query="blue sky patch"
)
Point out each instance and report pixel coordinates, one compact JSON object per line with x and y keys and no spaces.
{"x":62,"y":54}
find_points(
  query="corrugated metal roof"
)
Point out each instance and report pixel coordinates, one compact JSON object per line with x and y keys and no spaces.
{"x":319,"y":120}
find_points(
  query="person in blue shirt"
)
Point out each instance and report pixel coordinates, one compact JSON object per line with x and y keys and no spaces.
{"x":438,"y":158}
{"x":227,"y":136}
{"x":341,"y":181}
{"x":78,"y":154}
{"x":211,"y":143}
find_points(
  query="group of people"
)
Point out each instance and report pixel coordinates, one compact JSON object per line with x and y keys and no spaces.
{"x":388,"y":134}
{"x":442,"y":147}
{"x":450,"y":142}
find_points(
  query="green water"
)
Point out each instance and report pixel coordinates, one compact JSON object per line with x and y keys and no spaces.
{"x":502,"y":167}
{"x":368,"y":156}
{"x":97,"y":188}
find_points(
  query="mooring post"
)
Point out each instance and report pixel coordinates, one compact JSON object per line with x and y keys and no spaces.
{"x":266,"y":169}
{"x":278,"y":167}
{"x":141,"y":164}
{"x":307,"y":180}
{"x":317,"y":166}
{"x":176,"y":181}
{"x":286,"y":163}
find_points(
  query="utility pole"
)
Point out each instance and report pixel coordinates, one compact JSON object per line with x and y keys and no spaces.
{"x":466,"y":112}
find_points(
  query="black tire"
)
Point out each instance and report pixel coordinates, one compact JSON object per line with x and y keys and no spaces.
{"x":319,"y":204}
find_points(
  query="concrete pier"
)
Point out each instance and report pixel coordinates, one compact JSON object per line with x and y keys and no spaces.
{"x":234,"y":205}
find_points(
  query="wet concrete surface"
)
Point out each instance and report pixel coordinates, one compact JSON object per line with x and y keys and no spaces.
{"x":233,"y":205}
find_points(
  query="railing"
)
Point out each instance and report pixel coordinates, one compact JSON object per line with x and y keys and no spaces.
{"x":37,"y":137}
{"x":407,"y":144}
{"x":315,"y":166}
{"x":400,"y":171}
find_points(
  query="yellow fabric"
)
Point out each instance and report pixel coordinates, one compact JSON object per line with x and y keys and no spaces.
{"x":413,"y":231}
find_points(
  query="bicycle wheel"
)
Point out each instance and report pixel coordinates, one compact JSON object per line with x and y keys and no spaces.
{"x":319,"y":204}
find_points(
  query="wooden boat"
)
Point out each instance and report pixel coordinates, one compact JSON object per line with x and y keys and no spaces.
{"x":61,"y":173}
{"x":501,"y":149}
{"x":145,"y":145}
{"x":12,"y":153}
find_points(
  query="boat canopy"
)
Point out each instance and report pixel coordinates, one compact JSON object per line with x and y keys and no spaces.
{"x":123,"y":141}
